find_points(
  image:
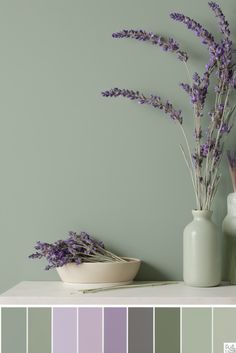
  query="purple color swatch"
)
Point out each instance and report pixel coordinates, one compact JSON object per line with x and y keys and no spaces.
{"x":115,"y":330}
{"x":64,"y":330}
{"x":90,"y":330}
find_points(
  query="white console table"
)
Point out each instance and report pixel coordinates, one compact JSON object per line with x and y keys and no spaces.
{"x":58,"y":293}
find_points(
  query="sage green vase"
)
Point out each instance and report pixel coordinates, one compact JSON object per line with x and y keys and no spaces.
{"x":201,"y":251}
{"x":229,"y":230}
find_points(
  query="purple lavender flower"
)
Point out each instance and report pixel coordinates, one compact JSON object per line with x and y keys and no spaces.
{"x":204,"y":149}
{"x":165,"y":44}
{"x":153,"y":100}
{"x":225,"y":128}
{"x":223,"y":23}
{"x":186,"y":87}
{"x":77,"y":248}
{"x":206,"y":37}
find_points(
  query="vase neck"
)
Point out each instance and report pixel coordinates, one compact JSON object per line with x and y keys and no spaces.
{"x":231,"y":204}
{"x":201,"y":214}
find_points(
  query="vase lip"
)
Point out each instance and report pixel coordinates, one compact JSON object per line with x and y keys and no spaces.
{"x":206,"y":213}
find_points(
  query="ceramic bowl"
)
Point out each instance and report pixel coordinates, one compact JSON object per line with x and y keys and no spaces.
{"x":100,"y":272}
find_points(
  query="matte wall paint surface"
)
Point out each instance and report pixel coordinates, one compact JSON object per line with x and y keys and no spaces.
{"x":39,"y":333}
{"x":224,"y":328}
{"x":72,"y":160}
{"x":167,"y":330}
{"x":13,"y":330}
{"x":196,"y":330}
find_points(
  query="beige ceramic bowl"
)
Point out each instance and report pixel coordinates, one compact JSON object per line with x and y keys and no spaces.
{"x":100,"y":272}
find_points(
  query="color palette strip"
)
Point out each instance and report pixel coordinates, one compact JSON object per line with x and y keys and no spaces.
{"x":117,"y":330}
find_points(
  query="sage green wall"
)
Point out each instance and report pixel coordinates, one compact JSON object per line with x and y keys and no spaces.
{"x":72,"y":160}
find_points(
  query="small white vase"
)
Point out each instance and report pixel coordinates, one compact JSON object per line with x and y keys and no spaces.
{"x":229,"y":230}
{"x":201,"y":253}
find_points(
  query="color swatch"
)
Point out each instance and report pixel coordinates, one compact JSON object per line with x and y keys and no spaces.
{"x":14,"y":333}
{"x":196,"y":330}
{"x":39,"y":330}
{"x":90,"y":330}
{"x":115,"y":337}
{"x":140,"y":330}
{"x":117,"y":330}
{"x":65,"y":328}
{"x":167,"y":330}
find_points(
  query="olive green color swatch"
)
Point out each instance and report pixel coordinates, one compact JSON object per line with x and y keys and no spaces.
{"x":140,"y":330}
{"x":224,"y":327}
{"x":167,"y":330}
{"x":13,"y":335}
{"x":39,"y":330}
{"x":196,"y":330}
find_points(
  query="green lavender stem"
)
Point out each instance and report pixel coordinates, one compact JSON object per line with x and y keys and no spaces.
{"x":126,"y":286}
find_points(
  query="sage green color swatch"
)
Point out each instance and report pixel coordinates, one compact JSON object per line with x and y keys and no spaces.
{"x":224,"y":324}
{"x":13,"y":333}
{"x":140,"y":330}
{"x":39,"y":330}
{"x":167,"y":330}
{"x":196,"y":330}
{"x":74,"y":160}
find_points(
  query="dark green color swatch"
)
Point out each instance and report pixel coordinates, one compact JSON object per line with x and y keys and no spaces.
{"x":167,"y":330}
{"x":196,"y":330}
{"x":14,"y":330}
{"x":140,"y":330}
{"x":39,"y":330}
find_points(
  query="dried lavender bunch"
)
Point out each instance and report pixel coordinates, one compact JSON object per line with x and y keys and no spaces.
{"x":232,"y":167}
{"x":77,"y":248}
{"x":204,"y":158}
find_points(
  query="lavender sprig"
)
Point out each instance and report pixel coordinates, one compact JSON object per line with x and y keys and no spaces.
{"x":77,"y":248}
{"x":165,"y":44}
{"x":223,"y":23}
{"x":205,"y":36}
{"x":154,"y":101}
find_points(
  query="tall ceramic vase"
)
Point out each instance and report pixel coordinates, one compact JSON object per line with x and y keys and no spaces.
{"x":229,"y":229}
{"x":201,"y":251}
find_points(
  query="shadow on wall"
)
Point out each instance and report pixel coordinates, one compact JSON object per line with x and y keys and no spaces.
{"x":150,"y":273}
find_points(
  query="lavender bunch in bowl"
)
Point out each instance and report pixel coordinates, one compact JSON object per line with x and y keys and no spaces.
{"x":77,"y":248}
{"x":209,"y":128}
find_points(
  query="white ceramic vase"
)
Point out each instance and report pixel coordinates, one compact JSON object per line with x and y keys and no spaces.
{"x":201,"y":251}
{"x":229,"y":230}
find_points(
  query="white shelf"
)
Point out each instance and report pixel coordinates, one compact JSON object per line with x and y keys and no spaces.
{"x":58,"y":293}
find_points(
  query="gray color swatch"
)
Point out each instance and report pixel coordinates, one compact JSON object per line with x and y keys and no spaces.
{"x":140,"y":330}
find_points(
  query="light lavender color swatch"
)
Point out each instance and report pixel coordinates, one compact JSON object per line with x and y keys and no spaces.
{"x":90,"y":330}
{"x":115,"y":330}
{"x":64,"y":330}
